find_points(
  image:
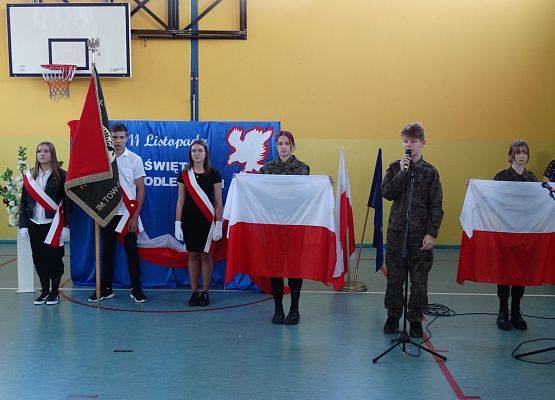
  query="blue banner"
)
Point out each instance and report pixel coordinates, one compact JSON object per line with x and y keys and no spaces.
{"x":164,"y":148}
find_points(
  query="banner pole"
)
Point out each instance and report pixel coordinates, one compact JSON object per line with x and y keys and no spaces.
{"x":354,"y":286}
{"x":361,"y":242}
{"x":97,"y":263}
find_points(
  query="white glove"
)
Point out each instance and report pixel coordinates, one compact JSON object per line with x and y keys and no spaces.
{"x":217,"y":234}
{"x":64,"y":237}
{"x":178,"y":231}
{"x":24,"y":233}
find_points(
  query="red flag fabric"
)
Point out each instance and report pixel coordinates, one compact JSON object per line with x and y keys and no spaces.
{"x":345,"y":231}
{"x":92,"y":178}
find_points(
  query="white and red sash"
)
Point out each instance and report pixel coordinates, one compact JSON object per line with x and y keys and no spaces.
{"x":130,"y":204}
{"x":202,"y":201}
{"x":40,"y":196}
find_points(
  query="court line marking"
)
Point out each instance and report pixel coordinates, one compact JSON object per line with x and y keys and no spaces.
{"x":101,"y":306}
{"x":182,"y":311}
{"x":449,"y":377}
{"x":7,"y":262}
{"x":185,"y":289}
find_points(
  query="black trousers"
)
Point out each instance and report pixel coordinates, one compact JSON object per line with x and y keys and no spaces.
{"x":295,"y":284}
{"x":48,"y":260}
{"x":277,"y":284}
{"x":109,"y":238}
{"x":516,"y":292}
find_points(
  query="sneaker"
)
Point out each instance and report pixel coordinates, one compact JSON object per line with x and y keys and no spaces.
{"x":416,"y":330}
{"x":204,"y":299}
{"x":518,"y":322}
{"x":138,"y":295}
{"x":193,"y":300}
{"x":53,"y":298}
{"x":105,"y":294}
{"x":391,"y":325}
{"x":42,"y":298}
{"x":503,"y":322}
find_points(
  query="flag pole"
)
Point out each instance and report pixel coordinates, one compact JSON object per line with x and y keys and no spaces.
{"x":94,"y":45}
{"x":361,"y":242}
{"x":354,"y":285}
{"x":97,"y":262}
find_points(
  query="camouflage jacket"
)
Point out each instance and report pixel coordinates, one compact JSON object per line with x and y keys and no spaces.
{"x":427,"y":197}
{"x":511,"y":175}
{"x":291,"y":166}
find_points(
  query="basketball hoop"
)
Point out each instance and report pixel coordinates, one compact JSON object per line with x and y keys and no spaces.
{"x":58,"y":77}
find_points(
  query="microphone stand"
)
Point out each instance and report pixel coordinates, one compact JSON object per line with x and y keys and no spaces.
{"x":547,"y":186}
{"x":403,"y":338}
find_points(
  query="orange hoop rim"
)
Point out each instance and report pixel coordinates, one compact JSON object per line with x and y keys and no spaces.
{"x":58,"y":66}
{"x":58,"y":77}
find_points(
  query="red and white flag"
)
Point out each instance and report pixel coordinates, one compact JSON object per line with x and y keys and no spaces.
{"x":345,"y":231}
{"x":509,"y":234}
{"x":280,"y":226}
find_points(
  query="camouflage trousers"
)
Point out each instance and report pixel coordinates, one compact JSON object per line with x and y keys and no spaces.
{"x":419,"y":265}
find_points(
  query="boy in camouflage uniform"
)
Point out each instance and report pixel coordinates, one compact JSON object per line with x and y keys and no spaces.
{"x":424,"y":222}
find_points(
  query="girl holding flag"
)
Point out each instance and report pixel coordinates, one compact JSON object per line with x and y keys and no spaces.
{"x":518,"y":157}
{"x":286,"y":164}
{"x":44,"y":220}
{"x":198,"y":217}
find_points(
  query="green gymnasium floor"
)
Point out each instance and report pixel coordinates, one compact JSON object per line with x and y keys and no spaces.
{"x":163,"y":349}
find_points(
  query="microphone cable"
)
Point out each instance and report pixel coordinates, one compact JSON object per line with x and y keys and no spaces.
{"x":437,"y":310}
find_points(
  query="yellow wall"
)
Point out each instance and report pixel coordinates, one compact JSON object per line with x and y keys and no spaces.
{"x":478,"y":74}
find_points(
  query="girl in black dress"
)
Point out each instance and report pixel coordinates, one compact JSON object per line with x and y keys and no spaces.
{"x":198,"y":217}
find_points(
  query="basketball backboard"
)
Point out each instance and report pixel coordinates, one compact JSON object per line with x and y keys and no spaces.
{"x":57,"y":33}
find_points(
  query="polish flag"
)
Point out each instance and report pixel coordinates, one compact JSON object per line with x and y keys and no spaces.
{"x":345,"y":231}
{"x":280,"y":226}
{"x":509,"y":234}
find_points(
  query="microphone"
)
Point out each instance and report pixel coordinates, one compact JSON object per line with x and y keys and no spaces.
{"x":408,"y":152}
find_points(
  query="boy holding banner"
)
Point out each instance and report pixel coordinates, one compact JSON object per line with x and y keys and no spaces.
{"x":127,"y":222}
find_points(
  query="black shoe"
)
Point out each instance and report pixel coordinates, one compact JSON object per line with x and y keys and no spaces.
{"x":53,"y":298}
{"x":293,"y":317}
{"x":193,"y":301}
{"x":138,"y":295}
{"x":503,"y":322}
{"x":279,"y":316}
{"x":416,"y":330}
{"x":517,"y":321}
{"x":105,"y":294}
{"x":391,"y":325}
{"x":42,"y":298}
{"x":204,"y":299}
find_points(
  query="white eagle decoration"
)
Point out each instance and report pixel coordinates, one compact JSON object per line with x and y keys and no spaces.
{"x":249,"y":148}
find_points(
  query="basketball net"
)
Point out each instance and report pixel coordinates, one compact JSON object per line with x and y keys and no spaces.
{"x":58,"y":77}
